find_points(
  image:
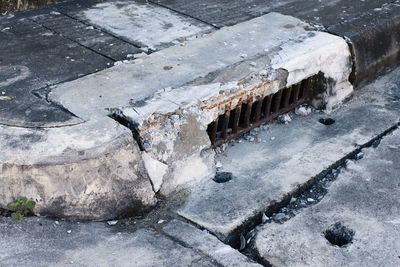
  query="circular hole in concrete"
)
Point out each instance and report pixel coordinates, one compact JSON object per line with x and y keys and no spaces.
{"x":339,"y":235}
{"x":222,"y":177}
{"x":327,"y":121}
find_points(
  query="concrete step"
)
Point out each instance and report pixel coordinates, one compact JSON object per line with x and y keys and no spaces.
{"x":168,"y":99}
{"x":356,"y":223}
{"x":281,"y":160}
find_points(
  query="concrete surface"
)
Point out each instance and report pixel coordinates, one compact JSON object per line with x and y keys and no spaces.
{"x":371,"y":27}
{"x":221,"y":57}
{"x":365,"y":198}
{"x":207,"y":244}
{"x":49,"y":47}
{"x":283,"y":157}
{"x":43,"y":242}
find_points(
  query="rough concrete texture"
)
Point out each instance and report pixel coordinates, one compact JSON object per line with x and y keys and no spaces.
{"x":82,"y":171}
{"x":150,"y":26}
{"x":283,"y":157}
{"x":281,"y":42}
{"x":207,"y":244}
{"x":371,"y":27}
{"x":43,"y":242}
{"x":364,"y":198}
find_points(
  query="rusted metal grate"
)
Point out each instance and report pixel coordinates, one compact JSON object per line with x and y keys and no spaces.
{"x":252,"y":114}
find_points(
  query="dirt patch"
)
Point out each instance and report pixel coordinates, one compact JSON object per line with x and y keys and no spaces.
{"x":7,"y":6}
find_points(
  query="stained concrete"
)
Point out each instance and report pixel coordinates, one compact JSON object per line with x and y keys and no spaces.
{"x":207,"y":244}
{"x":371,"y":27}
{"x":287,"y":156}
{"x":43,"y":242}
{"x":364,"y":198}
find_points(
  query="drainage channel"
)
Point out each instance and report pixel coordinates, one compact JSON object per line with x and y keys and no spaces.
{"x":305,"y":196}
{"x":251,"y":114}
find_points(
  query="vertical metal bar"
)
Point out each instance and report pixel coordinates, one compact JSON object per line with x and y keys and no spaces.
{"x":224,"y":126}
{"x":212,"y":131}
{"x":286,"y":98}
{"x":247,"y":113}
{"x":257,"y":109}
{"x":276,"y":101}
{"x":236,"y":118}
{"x":296,"y":91}
{"x":267,"y":110}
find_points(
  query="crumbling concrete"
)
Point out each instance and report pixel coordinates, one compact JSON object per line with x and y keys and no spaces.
{"x":83,"y":172}
{"x":362,"y":206}
{"x":282,"y":157}
{"x":167,"y":99}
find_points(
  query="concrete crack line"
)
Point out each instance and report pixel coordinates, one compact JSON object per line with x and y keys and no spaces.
{"x":317,"y":185}
{"x":101,"y":30}
{"x":183,"y":14}
{"x":72,"y":40}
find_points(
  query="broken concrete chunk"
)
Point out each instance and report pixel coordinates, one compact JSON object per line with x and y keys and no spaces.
{"x":155,"y":170}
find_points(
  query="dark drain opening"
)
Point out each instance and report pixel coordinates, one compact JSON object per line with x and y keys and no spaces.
{"x":222,"y":177}
{"x":327,"y":121}
{"x":339,"y":235}
{"x":252,"y":114}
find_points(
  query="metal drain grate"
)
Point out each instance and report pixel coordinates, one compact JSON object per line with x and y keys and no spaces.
{"x":252,"y":114}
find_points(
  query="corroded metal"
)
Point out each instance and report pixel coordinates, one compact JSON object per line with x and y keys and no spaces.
{"x":251,"y":112}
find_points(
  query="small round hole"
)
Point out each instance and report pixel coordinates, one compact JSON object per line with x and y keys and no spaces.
{"x":327,"y":121}
{"x":222,"y":177}
{"x":339,"y":235}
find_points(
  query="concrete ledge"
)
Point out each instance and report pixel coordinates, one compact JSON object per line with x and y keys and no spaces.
{"x":80,"y":171}
{"x":374,"y":38}
{"x":223,"y":65}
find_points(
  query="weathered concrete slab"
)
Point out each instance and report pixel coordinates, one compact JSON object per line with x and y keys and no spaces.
{"x":375,"y":41}
{"x":287,"y":156}
{"x":225,"y":12}
{"x":370,"y":26}
{"x":364,"y":198}
{"x":86,"y":171}
{"x":270,"y":44}
{"x":140,"y":22}
{"x":42,"y":242}
{"x":87,"y":36}
{"x":32,"y":58}
{"x":207,"y":244}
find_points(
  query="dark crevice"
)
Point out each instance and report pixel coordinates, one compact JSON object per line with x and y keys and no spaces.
{"x":118,"y":116}
{"x":183,"y":14}
{"x":102,"y":30}
{"x":72,"y":40}
{"x":289,"y":204}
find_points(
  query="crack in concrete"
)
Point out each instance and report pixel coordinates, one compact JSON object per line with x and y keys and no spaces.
{"x":290,"y":208}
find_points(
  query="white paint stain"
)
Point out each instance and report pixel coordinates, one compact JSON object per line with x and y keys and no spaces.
{"x":144,"y":23}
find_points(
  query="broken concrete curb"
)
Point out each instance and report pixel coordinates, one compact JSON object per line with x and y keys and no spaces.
{"x":231,"y":66}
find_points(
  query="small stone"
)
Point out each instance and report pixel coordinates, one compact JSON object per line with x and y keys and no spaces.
{"x":310,"y":200}
{"x":359,"y":156}
{"x":218,"y":165}
{"x":111,"y":223}
{"x":264,"y":218}
{"x":272,"y":138}
{"x":285,"y":118}
{"x":279,"y":217}
{"x":69,"y":231}
{"x":249,"y":138}
{"x":253,"y":64}
{"x":263,"y":73}
{"x":303,"y":111}
{"x":167,"y":67}
{"x":57,"y":222}
{"x":161,"y":221}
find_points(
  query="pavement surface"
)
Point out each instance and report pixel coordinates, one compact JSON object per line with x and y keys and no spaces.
{"x":364,"y":199}
{"x":321,"y":190}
